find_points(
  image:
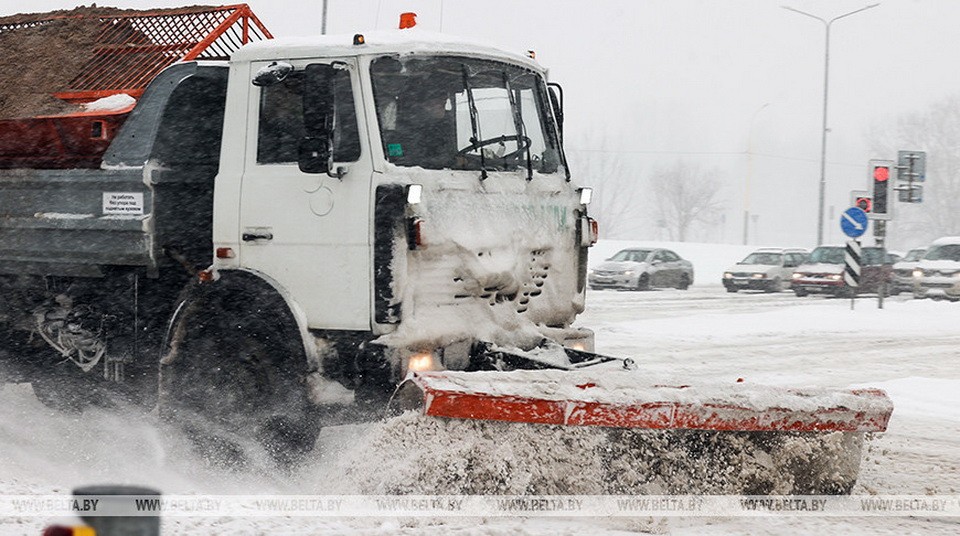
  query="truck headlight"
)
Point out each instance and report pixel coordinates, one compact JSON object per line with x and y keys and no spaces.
{"x":727,"y":275}
{"x":421,"y":361}
{"x":918,"y":272}
{"x":758,"y":276}
{"x":836,"y":277}
{"x":797,"y":275}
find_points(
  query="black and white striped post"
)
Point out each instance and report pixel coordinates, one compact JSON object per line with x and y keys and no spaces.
{"x":851,"y":269}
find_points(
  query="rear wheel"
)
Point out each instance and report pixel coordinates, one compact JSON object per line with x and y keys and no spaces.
{"x":239,"y":382}
{"x":800,"y":292}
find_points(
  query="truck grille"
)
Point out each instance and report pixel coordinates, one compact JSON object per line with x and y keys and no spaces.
{"x":520,"y":286}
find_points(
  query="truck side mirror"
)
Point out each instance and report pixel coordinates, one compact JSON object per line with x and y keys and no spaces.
{"x":313,"y":155}
{"x":556,"y":102}
{"x":272,"y":74}
{"x":316,"y":148}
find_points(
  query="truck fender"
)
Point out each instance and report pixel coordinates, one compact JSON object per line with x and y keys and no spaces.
{"x":245,"y":286}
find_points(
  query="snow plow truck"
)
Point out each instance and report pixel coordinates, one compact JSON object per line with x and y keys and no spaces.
{"x":320,"y":229}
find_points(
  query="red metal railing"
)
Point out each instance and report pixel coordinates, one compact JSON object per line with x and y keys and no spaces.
{"x":132,"y":48}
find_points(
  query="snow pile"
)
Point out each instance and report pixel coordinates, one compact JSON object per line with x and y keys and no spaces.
{"x":459,"y":457}
{"x":449,"y":456}
{"x":111,"y":103}
{"x":712,"y":463}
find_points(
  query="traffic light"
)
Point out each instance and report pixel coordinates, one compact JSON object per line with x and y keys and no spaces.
{"x":881,"y":171}
{"x":864,"y":203}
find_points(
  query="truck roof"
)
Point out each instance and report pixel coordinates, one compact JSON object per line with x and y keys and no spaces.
{"x":410,"y":41}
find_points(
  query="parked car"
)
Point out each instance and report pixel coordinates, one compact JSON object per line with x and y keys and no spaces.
{"x":641,"y":269}
{"x":937,"y":275}
{"x":902,"y":279}
{"x":767,"y":269}
{"x":823,"y":272}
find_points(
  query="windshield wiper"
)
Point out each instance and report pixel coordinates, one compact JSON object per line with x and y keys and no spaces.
{"x":474,"y":122}
{"x":518,"y":123}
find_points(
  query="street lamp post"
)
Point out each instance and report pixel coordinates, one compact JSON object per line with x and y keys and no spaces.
{"x":826,"y":85}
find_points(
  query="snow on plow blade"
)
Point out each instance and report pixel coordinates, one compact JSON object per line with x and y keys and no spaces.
{"x":614,"y":398}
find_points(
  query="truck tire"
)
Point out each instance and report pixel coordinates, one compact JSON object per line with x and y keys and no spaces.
{"x":238,"y":382}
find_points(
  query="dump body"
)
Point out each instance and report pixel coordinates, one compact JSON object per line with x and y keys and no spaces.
{"x":69,"y":141}
{"x":148,"y":195}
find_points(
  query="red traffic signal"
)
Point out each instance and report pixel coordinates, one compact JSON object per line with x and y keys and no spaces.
{"x":864,"y":203}
{"x":881,"y":173}
{"x":881,"y":188}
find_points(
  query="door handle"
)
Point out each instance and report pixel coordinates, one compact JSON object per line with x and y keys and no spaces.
{"x":251,"y":236}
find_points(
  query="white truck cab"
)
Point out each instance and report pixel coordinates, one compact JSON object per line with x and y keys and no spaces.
{"x":405,"y":185}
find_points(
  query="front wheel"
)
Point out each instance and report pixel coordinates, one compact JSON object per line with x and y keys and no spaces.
{"x":775,"y":286}
{"x":236,"y":381}
{"x":684,"y":283}
{"x":643,"y":282}
{"x":800,"y":292}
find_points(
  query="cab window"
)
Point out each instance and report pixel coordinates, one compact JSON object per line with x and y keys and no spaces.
{"x":281,"y":120}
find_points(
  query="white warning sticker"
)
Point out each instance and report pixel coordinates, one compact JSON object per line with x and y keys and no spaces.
{"x":129,"y":203}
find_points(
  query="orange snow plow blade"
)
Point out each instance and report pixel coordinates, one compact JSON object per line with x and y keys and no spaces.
{"x":612,"y":398}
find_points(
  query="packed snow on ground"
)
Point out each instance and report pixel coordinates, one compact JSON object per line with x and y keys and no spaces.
{"x":699,"y":336}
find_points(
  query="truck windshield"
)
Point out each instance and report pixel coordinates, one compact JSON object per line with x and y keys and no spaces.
{"x":448,"y":112}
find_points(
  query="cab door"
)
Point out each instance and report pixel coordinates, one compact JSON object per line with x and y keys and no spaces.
{"x":309,"y":230}
{"x":659,"y":269}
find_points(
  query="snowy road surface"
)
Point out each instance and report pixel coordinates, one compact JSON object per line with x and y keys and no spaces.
{"x":911,"y":348}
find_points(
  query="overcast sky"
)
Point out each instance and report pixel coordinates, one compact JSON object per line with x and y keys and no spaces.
{"x":710,"y":82}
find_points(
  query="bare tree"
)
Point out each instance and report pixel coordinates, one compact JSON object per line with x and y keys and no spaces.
{"x":618,"y":190}
{"x":935,"y":130}
{"x":685,"y":196}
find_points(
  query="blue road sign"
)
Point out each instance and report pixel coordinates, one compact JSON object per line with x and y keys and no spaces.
{"x":853,"y":222}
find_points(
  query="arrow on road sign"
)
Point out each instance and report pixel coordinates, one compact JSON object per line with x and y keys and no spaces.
{"x":853,"y":222}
